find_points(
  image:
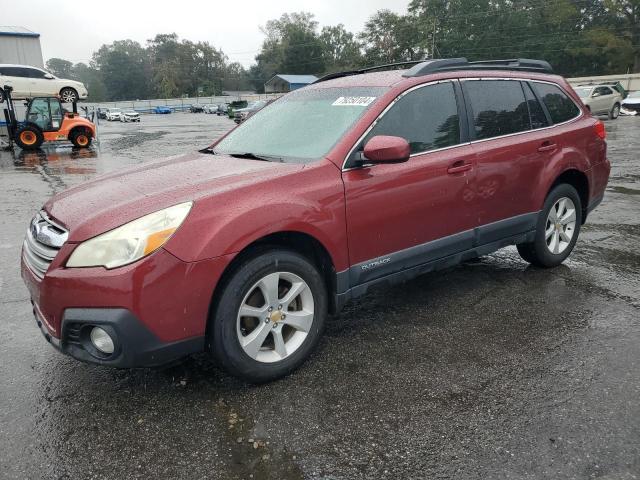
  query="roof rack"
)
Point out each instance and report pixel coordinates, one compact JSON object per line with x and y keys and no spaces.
{"x":388,"y":66}
{"x":447,"y":64}
{"x":426,"y":67}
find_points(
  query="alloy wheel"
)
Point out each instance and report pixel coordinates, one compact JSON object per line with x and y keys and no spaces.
{"x":275,"y":317}
{"x":68,"y":96}
{"x":560,"y":226}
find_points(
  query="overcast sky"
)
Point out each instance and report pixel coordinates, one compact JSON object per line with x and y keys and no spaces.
{"x":74,"y":30}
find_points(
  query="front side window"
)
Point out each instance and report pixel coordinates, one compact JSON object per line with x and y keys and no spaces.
{"x":302,"y":126}
{"x":561,"y":108}
{"x":427,"y":118}
{"x":498,"y":107}
{"x":35,"y":73}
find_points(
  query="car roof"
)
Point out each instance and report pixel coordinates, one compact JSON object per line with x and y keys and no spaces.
{"x":21,"y":66}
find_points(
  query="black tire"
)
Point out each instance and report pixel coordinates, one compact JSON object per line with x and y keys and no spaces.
{"x":222,"y":333}
{"x":537,"y":252}
{"x":29,"y":137}
{"x":81,"y":138}
{"x":614,"y":112}
{"x":68,"y":95}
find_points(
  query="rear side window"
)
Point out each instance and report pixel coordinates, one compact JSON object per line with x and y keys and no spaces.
{"x":536,"y":114}
{"x":427,"y":118}
{"x":561,"y":108}
{"x":498,"y":107}
{"x":13,"y":71}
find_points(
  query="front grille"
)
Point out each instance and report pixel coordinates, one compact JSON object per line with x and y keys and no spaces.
{"x":42,"y":243}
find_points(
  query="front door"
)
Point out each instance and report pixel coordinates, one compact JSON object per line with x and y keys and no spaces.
{"x":403,"y":215}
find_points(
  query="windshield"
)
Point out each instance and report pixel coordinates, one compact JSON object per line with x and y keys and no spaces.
{"x":583,"y":92}
{"x":634,"y":94}
{"x":301,"y":126}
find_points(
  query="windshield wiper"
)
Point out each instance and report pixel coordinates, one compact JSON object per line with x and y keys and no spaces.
{"x":207,"y":150}
{"x":253,"y":156}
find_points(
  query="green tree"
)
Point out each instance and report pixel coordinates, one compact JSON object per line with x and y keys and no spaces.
{"x":125,"y":69}
{"x":92,"y":79}
{"x":340,"y":48}
{"x":389,"y":37}
{"x":59,"y":67}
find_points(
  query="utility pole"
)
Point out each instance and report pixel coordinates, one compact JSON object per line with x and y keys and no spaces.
{"x":433,"y":40}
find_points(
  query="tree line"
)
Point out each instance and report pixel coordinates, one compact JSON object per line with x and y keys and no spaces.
{"x":578,"y":37}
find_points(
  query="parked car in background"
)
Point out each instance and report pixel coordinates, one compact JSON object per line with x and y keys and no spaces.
{"x":129,"y":116}
{"x":600,"y":99}
{"x":196,"y":108}
{"x":112,"y":114}
{"x":242,"y":249}
{"x":210,"y":108}
{"x":222,"y":109}
{"x":29,"y":82}
{"x":631,"y":104}
{"x":102,"y":113}
{"x":242,"y":114}
{"x":235,"y":105}
{"x":162,"y":110}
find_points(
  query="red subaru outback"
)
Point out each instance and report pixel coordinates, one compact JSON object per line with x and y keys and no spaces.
{"x":363,"y":178}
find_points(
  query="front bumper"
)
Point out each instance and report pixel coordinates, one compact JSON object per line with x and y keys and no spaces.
{"x":135,"y":345}
{"x":156,"y":308}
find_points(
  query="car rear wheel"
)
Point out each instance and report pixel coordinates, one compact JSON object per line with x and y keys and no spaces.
{"x":615,"y":111}
{"x":269,"y":317}
{"x":557,"y":228}
{"x":29,"y":137}
{"x":68,"y":95}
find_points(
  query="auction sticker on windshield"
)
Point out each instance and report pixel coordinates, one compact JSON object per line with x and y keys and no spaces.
{"x":353,"y":101}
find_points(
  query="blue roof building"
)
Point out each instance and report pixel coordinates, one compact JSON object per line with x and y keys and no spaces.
{"x":281,"y":83}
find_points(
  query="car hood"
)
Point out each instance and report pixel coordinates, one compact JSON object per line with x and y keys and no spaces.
{"x":109,"y":201}
{"x":631,"y":101}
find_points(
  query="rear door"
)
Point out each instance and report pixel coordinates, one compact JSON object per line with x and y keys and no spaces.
{"x":403,"y":215}
{"x":16,"y":77}
{"x":508,"y":136}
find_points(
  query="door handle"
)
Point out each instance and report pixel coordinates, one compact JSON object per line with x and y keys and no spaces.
{"x":459,"y":167}
{"x":547,"y":146}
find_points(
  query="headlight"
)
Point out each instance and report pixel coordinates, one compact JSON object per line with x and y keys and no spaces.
{"x":131,"y":241}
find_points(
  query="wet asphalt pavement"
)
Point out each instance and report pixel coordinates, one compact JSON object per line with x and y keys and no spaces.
{"x":492,"y":369}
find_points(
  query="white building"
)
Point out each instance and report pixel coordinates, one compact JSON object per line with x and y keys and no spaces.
{"x":20,"y":46}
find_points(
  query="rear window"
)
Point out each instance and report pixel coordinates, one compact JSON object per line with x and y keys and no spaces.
{"x":498,"y":106}
{"x":561,"y":108}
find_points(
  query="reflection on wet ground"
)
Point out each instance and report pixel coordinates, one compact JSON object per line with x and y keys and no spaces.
{"x":491,"y":369}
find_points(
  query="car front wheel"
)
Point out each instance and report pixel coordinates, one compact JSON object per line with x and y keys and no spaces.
{"x":269,"y":317}
{"x":68,"y":95}
{"x":557,"y":228}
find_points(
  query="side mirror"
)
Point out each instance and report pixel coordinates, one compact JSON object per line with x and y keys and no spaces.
{"x":595,"y":94}
{"x":387,"y":149}
{"x":48,"y":76}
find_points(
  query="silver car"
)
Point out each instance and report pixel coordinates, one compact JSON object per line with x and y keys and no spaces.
{"x":600,"y":99}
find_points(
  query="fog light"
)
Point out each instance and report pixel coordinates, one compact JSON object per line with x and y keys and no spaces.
{"x":102,"y":340}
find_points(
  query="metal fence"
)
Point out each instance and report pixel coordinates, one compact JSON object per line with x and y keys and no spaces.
{"x":178,"y":104}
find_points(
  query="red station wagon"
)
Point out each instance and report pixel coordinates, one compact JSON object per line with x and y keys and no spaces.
{"x":363,"y":178}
